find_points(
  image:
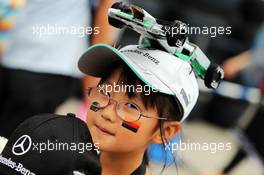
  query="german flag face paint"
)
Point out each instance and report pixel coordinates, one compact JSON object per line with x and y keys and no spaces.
{"x":94,"y":107}
{"x":132,"y":126}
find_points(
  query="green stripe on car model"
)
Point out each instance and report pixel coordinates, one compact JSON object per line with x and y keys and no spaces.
{"x":199,"y":69}
{"x":125,"y":15}
{"x":182,"y":56}
{"x":147,"y":22}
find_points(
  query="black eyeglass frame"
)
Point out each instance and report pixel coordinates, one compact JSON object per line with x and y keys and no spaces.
{"x":117,"y":104}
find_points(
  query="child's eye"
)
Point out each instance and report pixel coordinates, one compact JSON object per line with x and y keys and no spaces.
{"x":103,"y":92}
{"x":131,"y":105}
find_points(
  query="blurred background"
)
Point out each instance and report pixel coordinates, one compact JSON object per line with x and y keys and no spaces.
{"x":38,"y":74}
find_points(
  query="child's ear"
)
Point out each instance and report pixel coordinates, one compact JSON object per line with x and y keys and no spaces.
{"x":170,"y":130}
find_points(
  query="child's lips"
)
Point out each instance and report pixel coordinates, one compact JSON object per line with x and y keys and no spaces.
{"x":104,"y":131}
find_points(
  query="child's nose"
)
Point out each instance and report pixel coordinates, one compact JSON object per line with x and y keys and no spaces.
{"x":109,"y":112}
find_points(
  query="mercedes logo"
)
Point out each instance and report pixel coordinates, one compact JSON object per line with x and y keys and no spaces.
{"x":22,"y":145}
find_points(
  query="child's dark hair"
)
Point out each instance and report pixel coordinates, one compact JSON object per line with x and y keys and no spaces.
{"x":165,"y":104}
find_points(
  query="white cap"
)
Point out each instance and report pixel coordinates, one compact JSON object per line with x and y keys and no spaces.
{"x":158,"y":69}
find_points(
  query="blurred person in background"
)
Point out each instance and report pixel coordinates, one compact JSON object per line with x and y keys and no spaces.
{"x":9,"y":9}
{"x":8,"y":12}
{"x":245,"y":17}
{"x":250,"y":66}
{"x":39,"y":67}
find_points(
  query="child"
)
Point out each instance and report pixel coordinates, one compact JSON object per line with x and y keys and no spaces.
{"x":142,"y":98}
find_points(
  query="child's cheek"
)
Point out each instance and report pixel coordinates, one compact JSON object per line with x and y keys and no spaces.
{"x":129,"y":137}
{"x":89,"y":118}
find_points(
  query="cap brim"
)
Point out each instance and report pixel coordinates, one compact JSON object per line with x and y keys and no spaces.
{"x":98,"y":57}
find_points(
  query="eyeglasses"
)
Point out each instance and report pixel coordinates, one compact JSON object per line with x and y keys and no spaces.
{"x":127,"y":111}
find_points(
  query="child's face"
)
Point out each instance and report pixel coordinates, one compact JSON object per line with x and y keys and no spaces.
{"x":118,"y":138}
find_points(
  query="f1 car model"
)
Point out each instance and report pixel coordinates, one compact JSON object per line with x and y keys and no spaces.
{"x":170,"y":36}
